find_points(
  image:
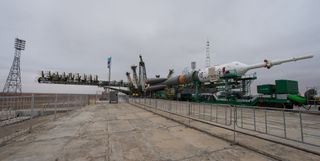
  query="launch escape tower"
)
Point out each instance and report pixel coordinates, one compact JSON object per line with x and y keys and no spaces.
{"x":13,"y":83}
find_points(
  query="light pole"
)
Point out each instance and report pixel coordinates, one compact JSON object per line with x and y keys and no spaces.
{"x":109,"y":67}
{"x":13,"y":83}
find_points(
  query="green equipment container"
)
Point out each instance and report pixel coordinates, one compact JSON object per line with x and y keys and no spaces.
{"x":287,"y":87}
{"x":268,"y":89}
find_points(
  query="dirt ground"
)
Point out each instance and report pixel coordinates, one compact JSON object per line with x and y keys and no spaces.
{"x":121,"y":132}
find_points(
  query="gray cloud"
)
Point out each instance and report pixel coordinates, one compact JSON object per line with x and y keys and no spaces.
{"x":78,"y":35}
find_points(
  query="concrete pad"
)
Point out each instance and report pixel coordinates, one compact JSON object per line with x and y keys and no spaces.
{"x":119,"y":126}
{"x":130,"y":146}
{"x":120,"y":132}
{"x":204,"y":142}
{"x":47,"y":150}
{"x":236,"y":154}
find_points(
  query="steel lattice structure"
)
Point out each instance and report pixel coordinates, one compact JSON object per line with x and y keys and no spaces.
{"x":13,"y":83}
{"x":208,"y":61}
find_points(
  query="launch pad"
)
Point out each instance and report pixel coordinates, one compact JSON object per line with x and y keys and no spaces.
{"x":222,"y":84}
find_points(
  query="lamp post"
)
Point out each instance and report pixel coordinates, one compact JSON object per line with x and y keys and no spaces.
{"x":109,"y":67}
{"x":13,"y":83}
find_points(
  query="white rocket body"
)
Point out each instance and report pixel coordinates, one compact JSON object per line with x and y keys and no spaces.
{"x":213,"y":73}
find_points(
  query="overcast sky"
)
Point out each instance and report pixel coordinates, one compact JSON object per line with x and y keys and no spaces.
{"x":78,"y":36}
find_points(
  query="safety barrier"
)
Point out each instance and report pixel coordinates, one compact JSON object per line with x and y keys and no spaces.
{"x":298,"y":125}
{"x":18,"y":114}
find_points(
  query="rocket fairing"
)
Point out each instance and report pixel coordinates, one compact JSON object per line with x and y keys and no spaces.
{"x":212,"y":74}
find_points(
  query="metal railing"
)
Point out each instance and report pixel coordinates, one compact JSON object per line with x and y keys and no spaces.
{"x":298,"y":125}
{"x":18,"y":114}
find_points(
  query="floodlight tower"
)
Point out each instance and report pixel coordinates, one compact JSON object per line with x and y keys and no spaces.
{"x":13,"y":83}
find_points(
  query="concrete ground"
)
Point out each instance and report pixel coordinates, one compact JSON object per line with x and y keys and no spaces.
{"x":124,"y":132}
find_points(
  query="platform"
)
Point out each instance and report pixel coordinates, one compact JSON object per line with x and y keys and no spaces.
{"x":124,"y":132}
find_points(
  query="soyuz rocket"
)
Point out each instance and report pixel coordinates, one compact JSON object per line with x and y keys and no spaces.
{"x":215,"y":73}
